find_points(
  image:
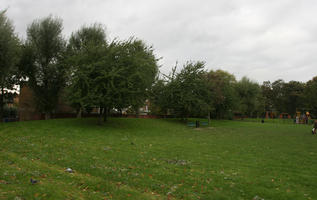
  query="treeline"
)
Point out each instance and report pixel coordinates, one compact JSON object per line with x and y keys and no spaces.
{"x":87,"y":69}
{"x":92,"y":71}
{"x":193,"y":91}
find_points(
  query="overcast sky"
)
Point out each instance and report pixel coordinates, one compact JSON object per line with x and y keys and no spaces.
{"x":263,"y":40}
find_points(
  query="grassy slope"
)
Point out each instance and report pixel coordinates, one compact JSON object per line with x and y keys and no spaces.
{"x":156,"y":159}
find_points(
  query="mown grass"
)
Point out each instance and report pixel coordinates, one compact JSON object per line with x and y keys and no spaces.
{"x":274,"y":120}
{"x":156,"y":159}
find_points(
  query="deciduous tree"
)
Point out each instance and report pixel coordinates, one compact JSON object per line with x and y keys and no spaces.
{"x":249,"y":94}
{"x":86,"y":48}
{"x":116,"y":75}
{"x":186,"y":94}
{"x":9,"y":58}
{"x":224,"y":96}
{"x":43,"y":62}
{"x":311,"y":96}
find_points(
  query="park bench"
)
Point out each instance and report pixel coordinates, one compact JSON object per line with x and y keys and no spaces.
{"x":191,"y":124}
{"x":197,"y":124}
{"x":204,"y":123}
{"x":10,"y":119}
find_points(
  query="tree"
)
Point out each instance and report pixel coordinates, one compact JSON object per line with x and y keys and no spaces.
{"x":185,"y":93}
{"x":43,"y":62}
{"x":278,"y":95}
{"x":249,"y":95}
{"x":127,"y":73}
{"x":116,"y":75}
{"x":224,"y":96}
{"x":310,"y":94}
{"x":9,"y":58}
{"x":288,"y":97}
{"x":139,"y":65}
{"x":267,"y":94}
{"x":293,"y":97}
{"x":86,"y":48}
{"x":159,"y":97}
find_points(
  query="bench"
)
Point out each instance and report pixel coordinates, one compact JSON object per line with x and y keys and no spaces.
{"x":6,"y":119}
{"x":204,"y":123}
{"x":191,"y":124}
{"x":197,"y":124}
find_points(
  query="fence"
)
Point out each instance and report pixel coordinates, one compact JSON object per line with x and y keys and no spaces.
{"x":39,"y":116}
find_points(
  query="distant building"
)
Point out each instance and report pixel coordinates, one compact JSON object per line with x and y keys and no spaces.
{"x":11,"y":99}
{"x":27,"y":106}
{"x":28,"y":111}
{"x":144,"y":110}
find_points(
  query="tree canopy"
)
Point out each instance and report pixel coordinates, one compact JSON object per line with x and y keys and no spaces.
{"x":186,"y":93}
{"x":86,"y":48}
{"x":116,"y":75}
{"x":9,"y":58}
{"x":310,"y":96}
{"x":94,"y":71}
{"x":249,"y":94}
{"x":43,"y":62}
{"x":224,"y":96}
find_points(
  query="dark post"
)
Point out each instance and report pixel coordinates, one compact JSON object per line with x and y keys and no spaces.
{"x":209,"y":118}
{"x":1,"y":103}
{"x":100,"y":115}
{"x":105,"y":114}
{"x":197,"y":124}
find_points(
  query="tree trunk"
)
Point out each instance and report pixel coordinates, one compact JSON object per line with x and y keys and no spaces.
{"x":1,"y":104}
{"x":47,"y":115}
{"x":105,"y":114}
{"x":209,"y":113}
{"x":137,"y":112}
{"x":100,"y":116}
{"x":79,"y":113}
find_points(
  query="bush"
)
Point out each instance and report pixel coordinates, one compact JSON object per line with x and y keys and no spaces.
{"x":10,"y":112}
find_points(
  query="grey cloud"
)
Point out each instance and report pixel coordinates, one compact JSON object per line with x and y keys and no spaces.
{"x":264,"y":40}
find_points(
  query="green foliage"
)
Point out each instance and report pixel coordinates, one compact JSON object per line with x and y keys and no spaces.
{"x":185,"y":93}
{"x":10,"y":112}
{"x":115,"y":75}
{"x":224,"y":96}
{"x":127,"y":74}
{"x":9,"y":52}
{"x":310,"y":95}
{"x":159,"y":98}
{"x":85,"y":50}
{"x":284,"y":97}
{"x":249,"y":94}
{"x":293,"y":97}
{"x":121,"y":74}
{"x":9,"y":57}
{"x":43,"y":62}
{"x":267,"y":94}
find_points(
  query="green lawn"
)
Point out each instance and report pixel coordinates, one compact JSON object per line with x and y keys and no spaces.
{"x":157,"y":159}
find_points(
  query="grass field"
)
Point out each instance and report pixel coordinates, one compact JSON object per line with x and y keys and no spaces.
{"x":276,"y":120}
{"x":156,"y":159}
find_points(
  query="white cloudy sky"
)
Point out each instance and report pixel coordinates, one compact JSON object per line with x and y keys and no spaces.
{"x":260,"y":39}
